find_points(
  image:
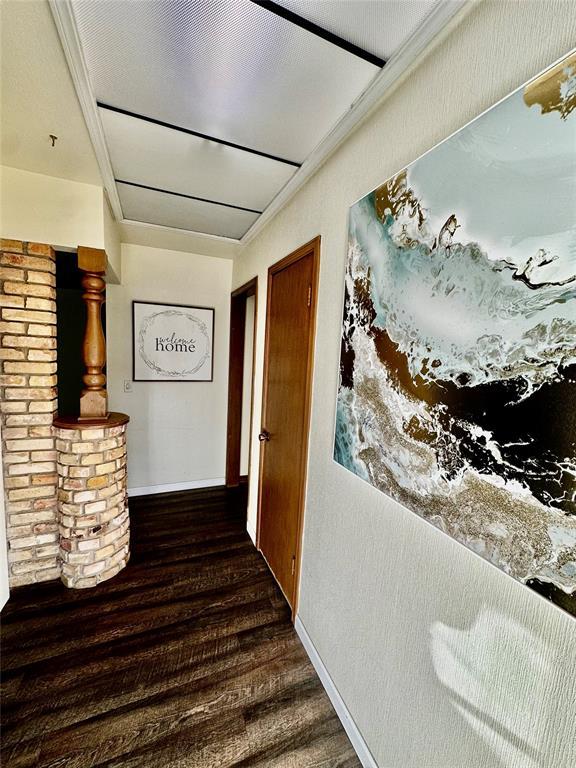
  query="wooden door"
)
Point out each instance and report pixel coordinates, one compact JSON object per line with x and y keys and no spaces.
{"x":286,"y":411}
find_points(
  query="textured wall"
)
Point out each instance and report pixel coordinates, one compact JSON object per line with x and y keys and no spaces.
{"x":442,"y":660}
{"x":177,"y":430}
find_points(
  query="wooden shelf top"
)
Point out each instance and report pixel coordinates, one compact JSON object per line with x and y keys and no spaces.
{"x":74,"y":422}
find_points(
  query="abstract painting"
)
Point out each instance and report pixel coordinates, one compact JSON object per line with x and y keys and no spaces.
{"x":457,"y":392}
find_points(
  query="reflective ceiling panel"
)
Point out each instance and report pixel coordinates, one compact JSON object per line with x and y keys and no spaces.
{"x":377,"y":26}
{"x":226,"y":68}
{"x":182,"y":213}
{"x":156,"y":156}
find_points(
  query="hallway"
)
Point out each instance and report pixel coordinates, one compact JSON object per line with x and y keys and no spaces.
{"x":187,"y":658}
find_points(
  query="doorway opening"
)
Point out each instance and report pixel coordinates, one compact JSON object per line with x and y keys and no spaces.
{"x":288,"y":365}
{"x":71,"y":321}
{"x":243,"y":311}
{"x":71,"y":325}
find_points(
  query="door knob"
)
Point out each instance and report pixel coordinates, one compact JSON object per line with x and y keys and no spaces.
{"x":264,"y":436}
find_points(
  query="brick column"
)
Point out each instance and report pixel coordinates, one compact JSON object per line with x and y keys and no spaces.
{"x":92,"y":499}
{"x":27,"y":404}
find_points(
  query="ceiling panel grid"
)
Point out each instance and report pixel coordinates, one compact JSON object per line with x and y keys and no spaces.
{"x":226,"y":68}
{"x":178,"y":212}
{"x":207,"y":108}
{"x":377,"y":26}
{"x":156,"y":156}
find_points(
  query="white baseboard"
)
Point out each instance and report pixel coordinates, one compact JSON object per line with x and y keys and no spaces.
{"x":190,"y":485}
{"x":360,"y":746}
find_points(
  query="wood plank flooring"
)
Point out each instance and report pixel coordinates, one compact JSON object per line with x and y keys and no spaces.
{"x":187,"y":658}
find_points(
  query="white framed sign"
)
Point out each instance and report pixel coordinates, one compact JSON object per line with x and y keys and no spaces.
{"x":172,"y":342}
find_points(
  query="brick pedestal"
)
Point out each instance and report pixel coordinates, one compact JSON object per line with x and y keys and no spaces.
{"x":27,"y":405}
{"x":92,"y":500}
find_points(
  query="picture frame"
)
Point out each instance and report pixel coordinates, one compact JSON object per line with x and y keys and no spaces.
{"x":172,"y":342}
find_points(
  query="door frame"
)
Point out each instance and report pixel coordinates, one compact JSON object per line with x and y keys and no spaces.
{"x":238,"y":299}
{"x":310,"y":248}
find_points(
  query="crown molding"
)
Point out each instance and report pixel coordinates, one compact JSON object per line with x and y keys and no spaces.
{"x":173,"y":239}
{"x":366,"y":103}
{"x":63,"y":15}
{"x":191,"y":232}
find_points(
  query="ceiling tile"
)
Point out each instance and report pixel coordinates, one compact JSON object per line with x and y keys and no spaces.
{"x":226,"y":68}
{"x":182,"y":213}
{"x":377,"y":26}
{"x":156,"y":156}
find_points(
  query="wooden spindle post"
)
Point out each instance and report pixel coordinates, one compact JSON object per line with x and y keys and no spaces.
{"x":94,"y":398}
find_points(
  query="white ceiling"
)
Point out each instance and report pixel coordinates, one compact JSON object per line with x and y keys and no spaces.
{"x":38,"y":98}
{"x":225,"y":68}
{"x":179,"y":212}
{"x":377,"y":26}
{"x":207,"y":108}
{"x":156,"y":156}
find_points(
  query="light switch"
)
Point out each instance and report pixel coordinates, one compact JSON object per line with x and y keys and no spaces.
{"x":127,"y":385}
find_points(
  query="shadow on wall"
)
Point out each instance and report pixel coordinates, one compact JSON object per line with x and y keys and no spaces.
{"x":497,"y":666}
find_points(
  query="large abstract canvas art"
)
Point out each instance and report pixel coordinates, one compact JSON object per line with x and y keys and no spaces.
{"x":457,"y":392}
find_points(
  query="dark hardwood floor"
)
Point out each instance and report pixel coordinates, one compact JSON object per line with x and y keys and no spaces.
{"x":186,"y":658}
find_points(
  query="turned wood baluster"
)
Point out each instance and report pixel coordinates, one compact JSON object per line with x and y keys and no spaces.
{"x":94,"y":398}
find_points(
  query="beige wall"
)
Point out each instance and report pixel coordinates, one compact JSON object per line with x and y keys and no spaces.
{"x":58,"y":212}
{"x":177,"y":432}
{"x":45,"y":209}
{"x":442,"y":660}
{"x":112,"y":244}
